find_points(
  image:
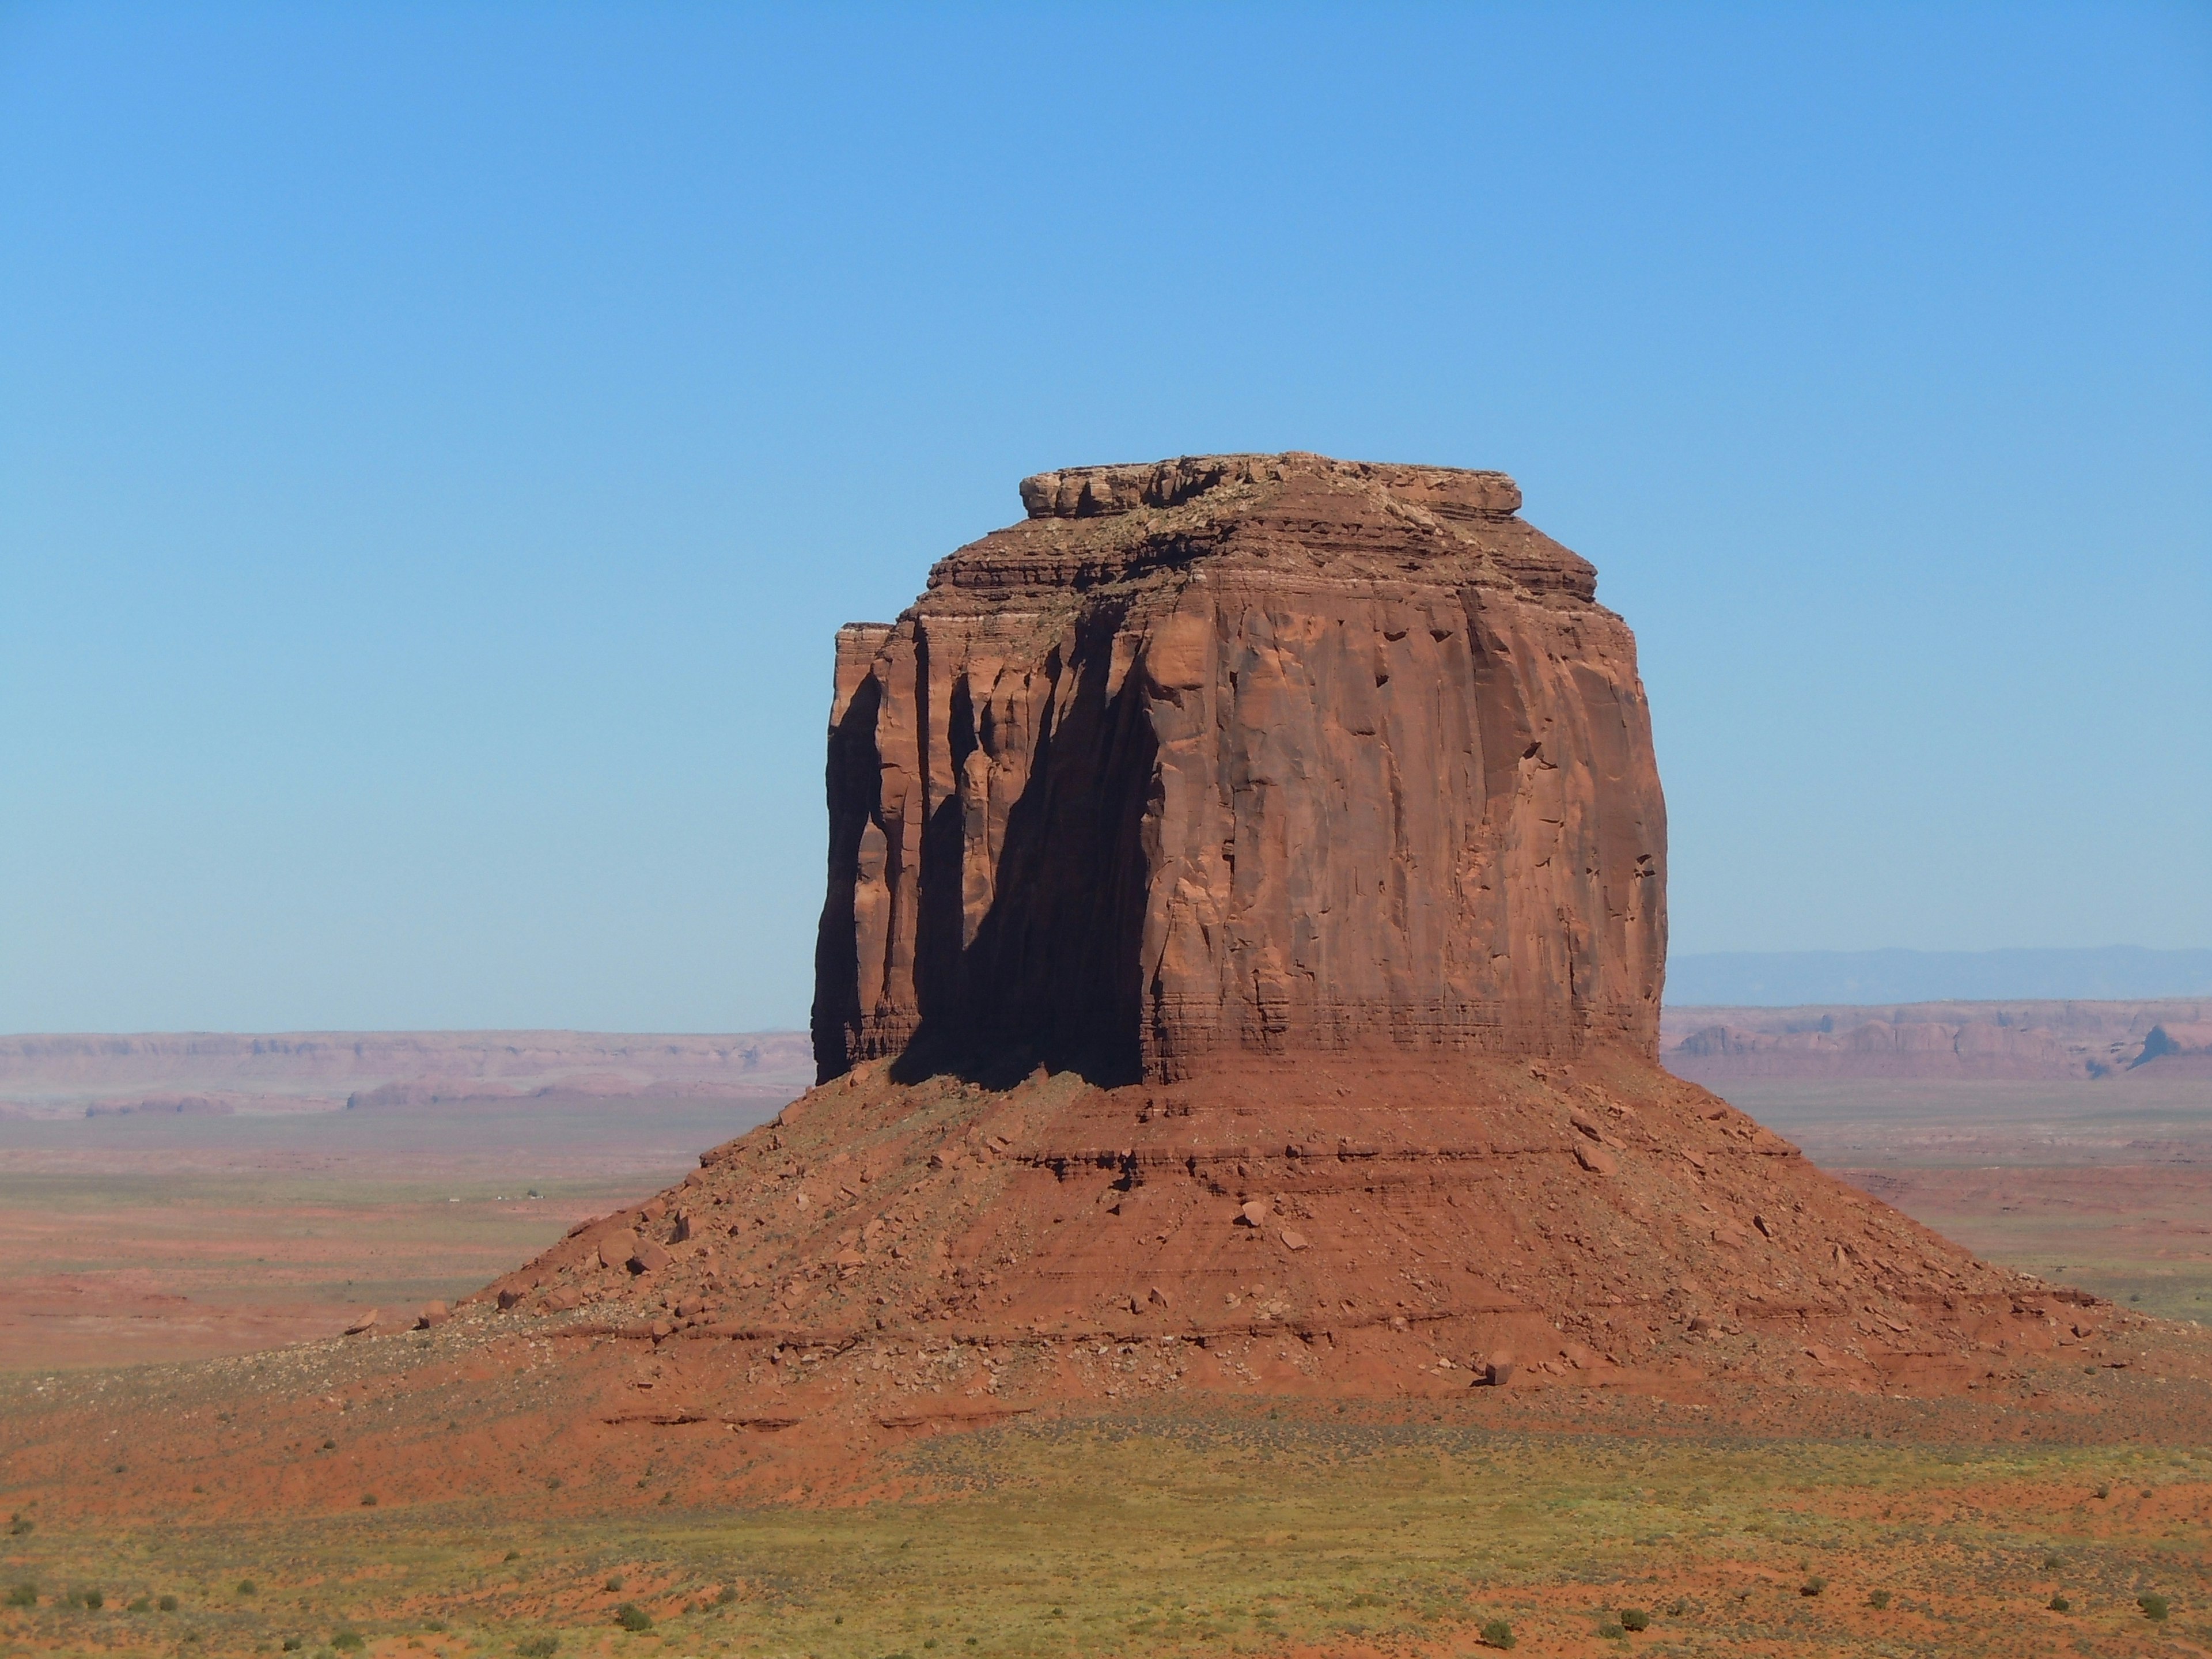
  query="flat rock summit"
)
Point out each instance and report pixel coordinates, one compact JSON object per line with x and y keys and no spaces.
{"x":1241,"y":967}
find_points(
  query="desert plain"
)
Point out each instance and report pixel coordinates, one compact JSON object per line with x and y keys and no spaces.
{"x":144,"y":1246}
{"x":1248,"y":1200}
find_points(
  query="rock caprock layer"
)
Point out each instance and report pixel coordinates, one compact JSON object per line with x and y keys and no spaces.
{"x":1245,"y":754}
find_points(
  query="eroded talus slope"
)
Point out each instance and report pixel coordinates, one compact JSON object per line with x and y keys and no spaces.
{"x":1312,"y":1227}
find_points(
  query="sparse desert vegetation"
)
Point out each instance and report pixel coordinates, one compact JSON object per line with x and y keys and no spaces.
{"x":1310,"y":1529}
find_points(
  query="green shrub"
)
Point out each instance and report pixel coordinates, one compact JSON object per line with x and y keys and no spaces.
{"x":247,"y":1587}
{"x":729,"y":1594}
{"x":2050,"y":1562}
{"x":630,"y":1616}
{"x":167,"y":1604}
{"x":20,"y":1525}
{"x":2103,"y":1492}
{"x":512,"y":1555}
{"x":614,"y":1581}
{"x":1813,"y":1586}
{"x":1497,"y":1633}
{"x":23,"y":1596}
{"x":368,"y":1500}
{"x":1612,"y":1632}
{"x":292,"y":1644}
{"x":140,"y":1604}
{"x":347,"y":1641}
{"x":1678,"y":1606}
{"x":1877,"y":1599}
{"x":538,"y":1647}
{"x":2059,"y":1604}
{"x":92,"y":1599}
{"x":2155,"y":1608}
{"x":1635,"y":1619}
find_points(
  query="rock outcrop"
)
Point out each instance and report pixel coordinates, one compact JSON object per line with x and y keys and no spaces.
{"x":1241,"y":970}
{"x":1238,"y":755}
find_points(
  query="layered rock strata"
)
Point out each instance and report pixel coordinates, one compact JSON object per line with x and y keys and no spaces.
{"x":1246,"y":754}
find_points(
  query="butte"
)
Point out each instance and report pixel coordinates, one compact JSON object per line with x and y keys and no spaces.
{"x":1241,"y":970}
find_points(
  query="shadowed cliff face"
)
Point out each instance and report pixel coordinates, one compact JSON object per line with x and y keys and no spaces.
{"x":1243,"y":754}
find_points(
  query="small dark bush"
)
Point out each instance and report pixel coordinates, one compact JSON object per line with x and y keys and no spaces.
{"x":2103,"y":1492}
{"x":615,"y":1580}
{"x":347,"y":1641}
{"x":1612,"y":1632}
{"x":1679,"y":1605}
{"x":23,"y":1596}
{"x":1635,"y":1619}
{"x":247,"y":1587}
{"x":2154,"y":1607}
{"x":630,"y":1616}
{"x":539,"y":1647}
{"x":436,"y":1626}
{"x":20,"y":1525}
{"x":2051,"y":1563}
{"x":512,"y":1555}
{"x":368,"y":1500}
{"x":1877,"y":1599}
{"x":1813,"y":1586}
{"x":729,"y":1594}
{"x":2059,"y":1604}
{"x":92,"y":1599}
{"x":140,"y":1604}
{"x":293,"y":1644}
{"x":1497,"y":1633}
{"x":167,"y":1604}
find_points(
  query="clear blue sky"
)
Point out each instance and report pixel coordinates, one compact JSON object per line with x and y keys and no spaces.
{"x":438,"y":442}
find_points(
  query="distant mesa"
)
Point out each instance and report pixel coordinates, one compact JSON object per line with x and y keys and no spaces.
{"x":1783,"y":979}
{"x":1990,"y":1039}
{"x":221,"y":1072}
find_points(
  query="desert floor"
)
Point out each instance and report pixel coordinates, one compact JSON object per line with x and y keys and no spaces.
{"x":1316,"y":1529}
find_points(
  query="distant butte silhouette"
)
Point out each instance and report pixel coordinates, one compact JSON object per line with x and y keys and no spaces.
{"x":1241,"y":970}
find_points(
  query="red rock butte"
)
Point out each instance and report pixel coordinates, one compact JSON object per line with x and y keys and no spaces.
{"x":1241,"y":970}
{"x":1242,"y":755}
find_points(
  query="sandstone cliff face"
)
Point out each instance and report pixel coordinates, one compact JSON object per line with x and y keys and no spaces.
{"x":1237,"y":755}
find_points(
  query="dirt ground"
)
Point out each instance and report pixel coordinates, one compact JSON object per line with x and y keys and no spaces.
{"x":145,"y":1238}
{"x":2106,"y":1185}
{"x":496,"y":1507}
{"x":1292,"y":1530}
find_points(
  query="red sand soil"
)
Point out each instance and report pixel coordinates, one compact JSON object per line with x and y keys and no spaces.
{"x":1571,"y":1244}
{"x":146,"y":1239}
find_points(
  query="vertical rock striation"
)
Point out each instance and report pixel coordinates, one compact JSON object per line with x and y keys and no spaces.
{"x":1249,"y":754}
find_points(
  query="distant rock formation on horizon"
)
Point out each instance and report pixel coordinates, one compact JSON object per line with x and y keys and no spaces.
{"x":1786,"y":979}
{"x":2018,"y":1041}
{"x":78,"y":1075}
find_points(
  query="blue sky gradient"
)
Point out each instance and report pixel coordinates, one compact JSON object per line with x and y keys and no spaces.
{"x":437,"y":444}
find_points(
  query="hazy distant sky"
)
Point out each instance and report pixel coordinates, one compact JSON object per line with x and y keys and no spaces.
{"x":438,"y":442}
